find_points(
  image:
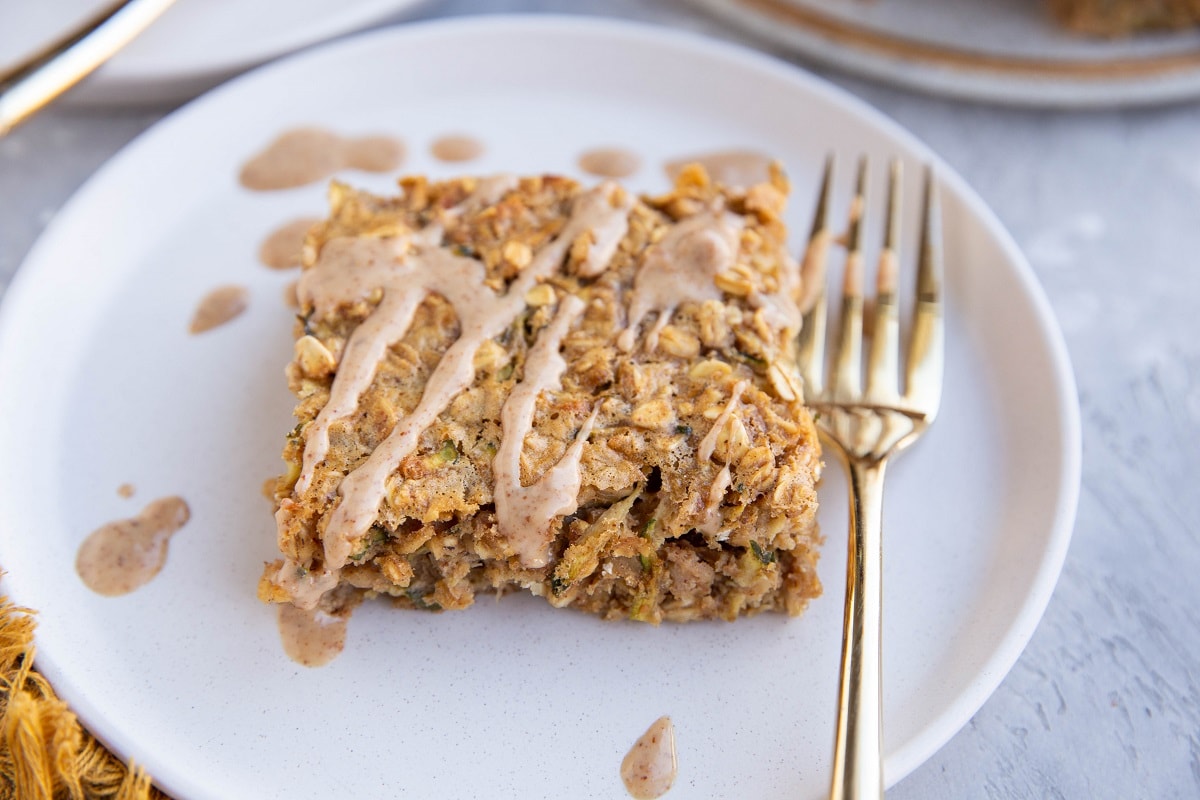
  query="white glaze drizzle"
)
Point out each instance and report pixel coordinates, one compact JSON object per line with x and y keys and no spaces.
{"x":681,"y":268}
{"x":377,"y":267}
{"x":781,"y":307}
{"x":364,"y":350}
{"x":524,"y":513}
{"x":488,"y":192}
{"x":305,"y":587}
{"x":606,"y":235}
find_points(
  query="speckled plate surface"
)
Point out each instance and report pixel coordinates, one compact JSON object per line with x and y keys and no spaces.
{"x":1006,"y":51}
{"x":100,"y":384}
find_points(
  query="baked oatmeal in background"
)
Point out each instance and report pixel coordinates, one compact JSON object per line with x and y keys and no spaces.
{"x":1122,"y":17}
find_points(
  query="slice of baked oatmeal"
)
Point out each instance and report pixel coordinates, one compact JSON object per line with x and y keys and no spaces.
{"x":522,"y":383}
{"x":1123,"y":17}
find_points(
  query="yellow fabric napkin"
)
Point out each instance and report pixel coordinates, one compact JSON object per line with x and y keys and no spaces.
{"x":45,"y":754}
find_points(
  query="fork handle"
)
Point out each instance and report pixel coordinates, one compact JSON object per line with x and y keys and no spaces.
{"x":858,"y":747}
{"x":38,"y":80}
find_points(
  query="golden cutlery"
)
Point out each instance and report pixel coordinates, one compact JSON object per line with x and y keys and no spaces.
{"x":34,"y":82}
{"x":866,"y":427}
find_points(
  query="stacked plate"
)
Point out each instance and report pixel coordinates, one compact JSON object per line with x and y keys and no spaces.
{"x":1007,"y":51}
{"x":195,"y":44}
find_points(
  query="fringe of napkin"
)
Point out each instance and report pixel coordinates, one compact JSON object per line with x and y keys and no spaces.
{"x":45,"y":754}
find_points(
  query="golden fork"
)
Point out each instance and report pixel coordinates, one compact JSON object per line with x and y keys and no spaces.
{"x":866,"y":428}
{"x":33,"y":83}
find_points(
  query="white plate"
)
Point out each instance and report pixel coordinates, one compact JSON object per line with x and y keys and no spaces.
{"x":194,"y":45}
{"x":1008,"y":51}
{"x":102,"y":385}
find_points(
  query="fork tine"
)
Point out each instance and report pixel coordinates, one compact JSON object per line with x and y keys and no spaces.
{"x":812,"y":271}
{"x":882,"y":368}
{"x":846,"y":370}
{"x":923,"y":377}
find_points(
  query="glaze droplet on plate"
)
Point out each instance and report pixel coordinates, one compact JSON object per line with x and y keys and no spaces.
{"x":311,"y":637}
{"x":610,"y":162}
{"x":290,"y":298}
{"x":218,"y":307}
{"x":734,"y":168}
{"x":456,"y":147}
{"x":284,"y":247}
{"x":373,"y":153}
{"x":124,"y":555}
{"x":649,"y":768}
{"x":305,"y":155}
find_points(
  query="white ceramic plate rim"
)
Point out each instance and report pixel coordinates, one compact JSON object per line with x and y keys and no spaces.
{"x":161,"y":77}
{"x":1008,"y":649}
{"x":963,"y":82}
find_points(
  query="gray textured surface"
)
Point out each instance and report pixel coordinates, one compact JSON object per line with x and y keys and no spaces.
{"x":1105,"y":702}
